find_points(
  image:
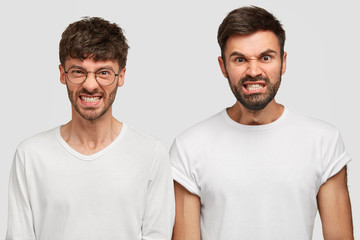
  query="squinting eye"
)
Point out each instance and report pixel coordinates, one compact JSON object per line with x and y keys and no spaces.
{"x":266,"y":58}
{"x":240,"y":60}
{"x":77,"y":71}
{"x":103,"y":73}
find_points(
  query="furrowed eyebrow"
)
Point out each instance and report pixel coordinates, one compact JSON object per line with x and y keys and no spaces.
{"x":74,"y":66}
{"x":102,"y":67}
{"x":106,"y":66}
{"x":239,"y":54}
{"x":267,"y":52}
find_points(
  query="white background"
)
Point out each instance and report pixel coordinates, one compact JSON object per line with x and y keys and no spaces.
{"x":173,"y":79}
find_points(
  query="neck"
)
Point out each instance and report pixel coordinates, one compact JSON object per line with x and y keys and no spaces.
{"x":245,"y":116}
{"x":89,"y":137}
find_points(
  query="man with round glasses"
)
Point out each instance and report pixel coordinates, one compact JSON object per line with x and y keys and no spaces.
{"x":94,"y":177}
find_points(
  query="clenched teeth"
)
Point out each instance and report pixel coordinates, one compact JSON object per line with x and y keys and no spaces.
{"x":90,"y":99}
{"x":253,"y":87}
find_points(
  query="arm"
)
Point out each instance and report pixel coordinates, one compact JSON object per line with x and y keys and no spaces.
{"x":20,"y":217}
{"x":187,"y":218}
{"x":335,"y":209}
{"x":158,"y":220}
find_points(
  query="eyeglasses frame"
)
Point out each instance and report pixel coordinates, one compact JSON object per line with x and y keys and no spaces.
{"x":87,"y":73}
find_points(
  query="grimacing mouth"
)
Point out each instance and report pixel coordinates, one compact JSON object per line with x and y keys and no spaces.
{"x":90,"y":98}
{"x":254,"y":86}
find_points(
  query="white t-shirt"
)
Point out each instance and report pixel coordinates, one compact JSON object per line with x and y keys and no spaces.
{"x":257,"y":182}
{"x":124,"y":191}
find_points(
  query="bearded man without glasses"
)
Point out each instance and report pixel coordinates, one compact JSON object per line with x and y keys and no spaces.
{"x":258,"y":169}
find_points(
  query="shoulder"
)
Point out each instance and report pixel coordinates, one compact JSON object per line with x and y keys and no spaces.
{"x":142,"y":140}
{"x":141,"y":137}
{"x":200,"y":136}
{"x":204,"y":129}
{"x":31,"y":147}
{"x":40,"y":140}
{"x":308,"y":124}
{"x":148,"y":147}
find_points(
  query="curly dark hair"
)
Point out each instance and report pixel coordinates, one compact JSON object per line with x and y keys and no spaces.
{"x":96,"y":38}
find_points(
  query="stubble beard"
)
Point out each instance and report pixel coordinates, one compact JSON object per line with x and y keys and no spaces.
{"x":255,"y":101}
{"x":89,"y":113}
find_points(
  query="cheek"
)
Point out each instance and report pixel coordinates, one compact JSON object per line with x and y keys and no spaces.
{"x":71,"y":92}
{"x":236,"y":72}
{"x":109,"y":91}
{"x":273,"y":71}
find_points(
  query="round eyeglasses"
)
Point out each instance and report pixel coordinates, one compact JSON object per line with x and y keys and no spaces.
{"x":78,"y":75}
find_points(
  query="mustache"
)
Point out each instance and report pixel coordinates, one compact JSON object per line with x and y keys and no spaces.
{"x":86,"y":92}
{"x":253,"y":79}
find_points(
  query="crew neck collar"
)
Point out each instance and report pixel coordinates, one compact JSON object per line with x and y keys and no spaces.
{"x":254,"y":127}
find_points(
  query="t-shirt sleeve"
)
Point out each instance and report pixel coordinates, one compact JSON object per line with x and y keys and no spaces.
{"x":183,"y":171}
{"x":20,"y":217}
{"x":159,"y":214}
{"x":335,"y":157}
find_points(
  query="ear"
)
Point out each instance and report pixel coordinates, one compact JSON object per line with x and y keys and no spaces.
{"x":121,"y":77}
{"x":222,"y":66}
{"x":62,"y":74}
{"x":284,"y":63}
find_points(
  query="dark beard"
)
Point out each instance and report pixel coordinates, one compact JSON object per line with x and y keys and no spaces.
{"x":256,"y":101}
{"x":92,"y":117}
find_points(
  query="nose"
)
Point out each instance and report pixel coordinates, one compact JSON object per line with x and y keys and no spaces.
{"x":90,"y":83}
{"x":254,"y":68}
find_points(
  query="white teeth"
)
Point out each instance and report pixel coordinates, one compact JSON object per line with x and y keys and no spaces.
{"x":253,"y":87}
{"x":90,"y":99}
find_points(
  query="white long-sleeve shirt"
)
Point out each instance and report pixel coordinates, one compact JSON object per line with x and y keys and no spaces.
{"x":125,"y":191}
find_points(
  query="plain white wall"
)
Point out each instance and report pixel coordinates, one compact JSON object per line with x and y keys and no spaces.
{"x":173,"y":79}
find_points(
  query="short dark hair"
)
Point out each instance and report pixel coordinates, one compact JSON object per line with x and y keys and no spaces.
{"x":96,"y":38}
{"x":247,"y":20}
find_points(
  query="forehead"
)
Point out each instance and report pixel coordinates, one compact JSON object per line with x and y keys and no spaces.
{"x":252,"y":44}
{"x":91,"y":63}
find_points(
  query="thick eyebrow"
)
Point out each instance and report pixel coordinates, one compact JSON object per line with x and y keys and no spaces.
{"x":102,"y":67}
{"x":239,"y":54}
{"x":106,"y":66}
{"x":267,"y":52}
